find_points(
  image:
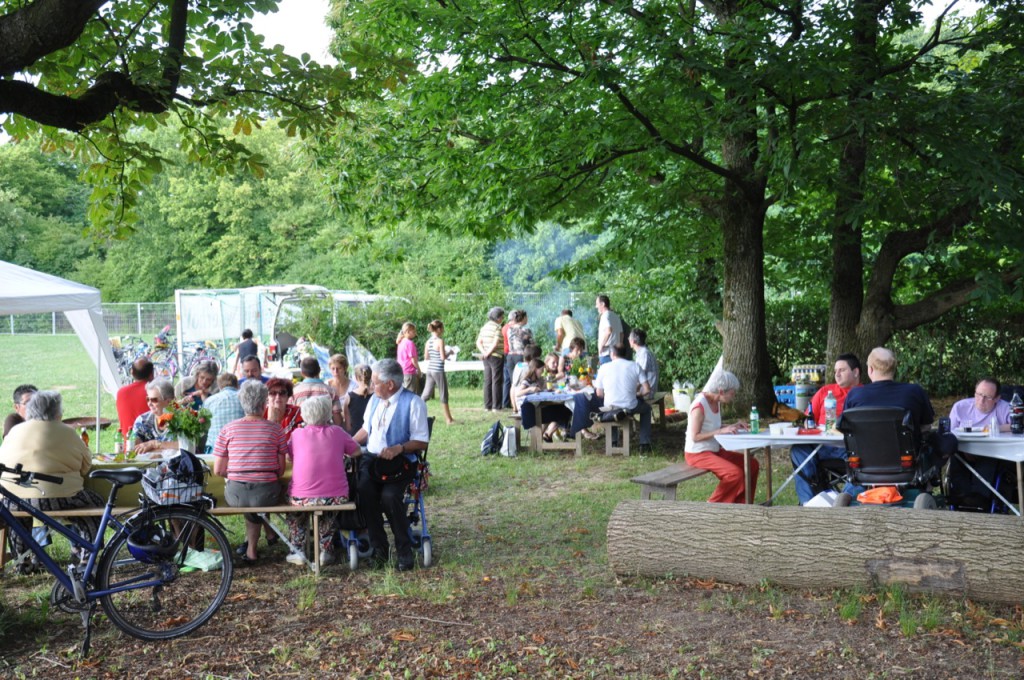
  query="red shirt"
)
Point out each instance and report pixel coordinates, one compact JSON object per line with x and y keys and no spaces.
{"x":131,"y":403}
{"x":504,"y":335}
{"x":818,"y":401}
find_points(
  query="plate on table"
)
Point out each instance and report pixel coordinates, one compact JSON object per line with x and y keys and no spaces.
{"x":973,"y":434}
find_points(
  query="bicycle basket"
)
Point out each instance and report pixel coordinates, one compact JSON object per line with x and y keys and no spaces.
{"x":178,"y":480}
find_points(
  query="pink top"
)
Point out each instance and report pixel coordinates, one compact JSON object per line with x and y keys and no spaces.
{"x":318,"y":461}
{"x":407,"y":356}
{"x":252,"y":448}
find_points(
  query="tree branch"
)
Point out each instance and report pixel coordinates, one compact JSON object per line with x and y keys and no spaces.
{"x":898,"y":244}
{"x":934,"y":305}
{"x":40,"y":28}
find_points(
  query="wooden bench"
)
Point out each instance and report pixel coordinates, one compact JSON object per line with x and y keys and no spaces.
{"x":665,"y":480}
{"x":264,"y":512}
{"x":658,"y":399}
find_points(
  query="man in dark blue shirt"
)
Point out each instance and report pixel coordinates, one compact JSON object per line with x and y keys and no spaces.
{"x":884,"y":391}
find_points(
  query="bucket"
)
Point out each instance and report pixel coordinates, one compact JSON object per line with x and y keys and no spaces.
{"x":803,"y":396}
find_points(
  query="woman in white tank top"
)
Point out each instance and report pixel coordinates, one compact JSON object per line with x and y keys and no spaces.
{"x":704,"y":452}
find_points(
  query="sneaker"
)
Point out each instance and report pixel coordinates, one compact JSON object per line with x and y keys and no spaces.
{"x":297,"y":559}
{"x":326,"y":558}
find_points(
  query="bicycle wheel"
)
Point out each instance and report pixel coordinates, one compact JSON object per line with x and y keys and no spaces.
{"x":164,"y":364}
{"x":185,"y":598}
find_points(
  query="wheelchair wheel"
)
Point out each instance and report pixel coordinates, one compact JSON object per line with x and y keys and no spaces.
{"x":843,"y":500}
{"x":353,"y":555}
{"x":925,"y":501}
{"x":428,"y":551}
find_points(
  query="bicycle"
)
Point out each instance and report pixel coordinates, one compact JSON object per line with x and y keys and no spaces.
{"x":141,"y":575}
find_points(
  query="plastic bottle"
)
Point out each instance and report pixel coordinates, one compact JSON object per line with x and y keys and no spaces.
{"x":1016,"y":414}
{"x":755,"y":420}
{"x":993,"y":427}
{"x":830,"y":411}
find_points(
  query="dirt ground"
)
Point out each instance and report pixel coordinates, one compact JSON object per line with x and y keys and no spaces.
{"x":369,"y":624}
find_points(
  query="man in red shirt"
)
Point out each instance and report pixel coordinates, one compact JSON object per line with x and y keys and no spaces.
{"x":131,"y":399}
{"x":847,"y":371}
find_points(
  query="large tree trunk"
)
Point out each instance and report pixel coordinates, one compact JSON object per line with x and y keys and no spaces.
{"x":741,"y":213}
{"x":954,"y":553}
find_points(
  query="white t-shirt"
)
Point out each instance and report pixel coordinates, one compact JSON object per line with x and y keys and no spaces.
{"x":712,"y":421}
{"x":609,"y":320}
{"x":619,"y":379}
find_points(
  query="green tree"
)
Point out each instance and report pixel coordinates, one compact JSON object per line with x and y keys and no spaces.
{"x":694,"y":130}
{"x":87,"y":73}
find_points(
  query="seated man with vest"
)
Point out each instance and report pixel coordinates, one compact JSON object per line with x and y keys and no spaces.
{"x":394,"y":430}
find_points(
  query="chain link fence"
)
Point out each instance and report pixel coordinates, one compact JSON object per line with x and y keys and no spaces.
{"x":144,"y":319}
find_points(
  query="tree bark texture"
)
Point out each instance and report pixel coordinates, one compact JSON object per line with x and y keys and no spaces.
{"x":930,"y":551}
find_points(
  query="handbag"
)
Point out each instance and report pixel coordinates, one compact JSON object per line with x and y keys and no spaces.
{"x":398,"y":469}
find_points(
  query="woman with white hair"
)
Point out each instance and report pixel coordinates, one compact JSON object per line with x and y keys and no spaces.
{"x":145,"y":436}
{"x":318,"y":475}
{"x":704,"y":452}
{"x":44,"y":444}
{"x":250,"y":454}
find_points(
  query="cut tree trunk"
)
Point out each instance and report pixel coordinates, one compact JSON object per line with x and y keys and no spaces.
{"x":933,"y":551}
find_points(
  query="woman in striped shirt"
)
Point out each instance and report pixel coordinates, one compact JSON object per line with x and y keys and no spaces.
{"x":434,"y":351}
{"x":250,"y":453}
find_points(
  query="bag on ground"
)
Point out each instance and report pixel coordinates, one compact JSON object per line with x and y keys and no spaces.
{"x":492,"y":440}
{"x":510,"y":445}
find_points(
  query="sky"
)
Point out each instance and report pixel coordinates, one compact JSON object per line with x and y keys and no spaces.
{"x":299,"y":26}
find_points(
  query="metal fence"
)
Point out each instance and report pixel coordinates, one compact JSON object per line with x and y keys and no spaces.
{"x":122,"y":318}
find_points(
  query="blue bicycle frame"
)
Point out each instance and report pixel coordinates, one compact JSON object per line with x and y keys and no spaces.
{"x":94,"y":549}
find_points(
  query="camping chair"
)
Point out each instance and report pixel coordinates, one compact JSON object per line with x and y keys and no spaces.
{"x":883,"y":450}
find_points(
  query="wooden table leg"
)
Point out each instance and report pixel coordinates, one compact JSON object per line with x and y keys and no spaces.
{"x":746,"y":477}
{"x":768,"y":468}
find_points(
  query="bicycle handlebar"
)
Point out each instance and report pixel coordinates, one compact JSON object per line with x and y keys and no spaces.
{"x":26,"y":477}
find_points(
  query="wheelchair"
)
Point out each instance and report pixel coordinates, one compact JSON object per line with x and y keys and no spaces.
{"x":352,"y":538}
{"x":883,"y":451}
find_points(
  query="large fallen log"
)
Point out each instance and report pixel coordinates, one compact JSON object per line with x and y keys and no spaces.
{"x":934,"y":551}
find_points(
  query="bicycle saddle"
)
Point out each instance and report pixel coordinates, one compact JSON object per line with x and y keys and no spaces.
{"x":121,"y":477}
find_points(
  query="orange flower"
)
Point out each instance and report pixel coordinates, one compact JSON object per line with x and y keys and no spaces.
{"x":163,"y":419}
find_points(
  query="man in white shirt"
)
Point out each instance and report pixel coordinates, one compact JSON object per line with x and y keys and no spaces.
{"x":621,"y":384}
{"x":394,"y":429}
{"x":609,"y":329}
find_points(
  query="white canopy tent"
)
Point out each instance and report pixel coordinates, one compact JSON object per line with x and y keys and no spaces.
{"x":26,"y":291}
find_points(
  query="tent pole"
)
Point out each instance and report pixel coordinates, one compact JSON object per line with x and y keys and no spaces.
{"x":99,"y":386}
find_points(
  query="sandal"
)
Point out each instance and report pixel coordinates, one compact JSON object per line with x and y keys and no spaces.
{"x":244,"y":559}
{"x":546,"y":437}
{"x":587,"y":434}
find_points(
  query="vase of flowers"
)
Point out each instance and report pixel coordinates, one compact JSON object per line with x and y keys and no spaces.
{"x":580,"y":369}
{"x":186,"y":422}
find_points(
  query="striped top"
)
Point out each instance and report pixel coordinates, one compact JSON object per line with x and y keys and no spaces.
{"x":490,"y":332}
{"x":254,"y":449}
{"x":435,"y":362}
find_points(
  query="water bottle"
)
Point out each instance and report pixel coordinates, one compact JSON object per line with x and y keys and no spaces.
{"x":755,"y":420}
{"x":993,"y":427}
{"x":830,"y":411}
{"x":1016,"y":414}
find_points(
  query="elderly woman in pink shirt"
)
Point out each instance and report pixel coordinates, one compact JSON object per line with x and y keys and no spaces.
{"x":318,"y":454}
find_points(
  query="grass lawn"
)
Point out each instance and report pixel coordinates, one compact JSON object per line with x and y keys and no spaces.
{"x":521,"y":588}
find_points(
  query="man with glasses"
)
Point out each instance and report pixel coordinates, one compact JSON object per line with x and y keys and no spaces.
{"x":22,"y":395}
{"x":979,"y":411}
{"x":394,"y":430}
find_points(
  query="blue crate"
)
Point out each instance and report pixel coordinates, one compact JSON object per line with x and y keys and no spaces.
{"x":786,"y":395}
